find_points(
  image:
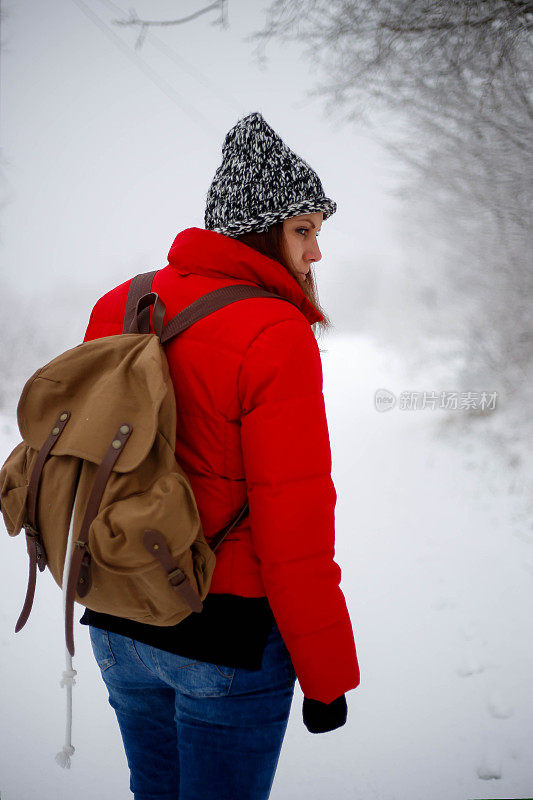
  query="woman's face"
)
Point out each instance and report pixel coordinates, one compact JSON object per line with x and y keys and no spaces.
{"x":300,"y":244}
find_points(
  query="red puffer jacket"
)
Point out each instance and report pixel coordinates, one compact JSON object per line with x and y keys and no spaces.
{"x":251,"y":422}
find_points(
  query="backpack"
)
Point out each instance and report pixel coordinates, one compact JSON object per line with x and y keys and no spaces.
{"x":95,"y":483}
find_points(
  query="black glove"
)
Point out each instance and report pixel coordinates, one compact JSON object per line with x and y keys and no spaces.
{"x":321,"y":717}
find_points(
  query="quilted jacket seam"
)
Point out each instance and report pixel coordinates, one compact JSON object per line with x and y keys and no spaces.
{"x":303,"y":478}
{"x":251,"y":344}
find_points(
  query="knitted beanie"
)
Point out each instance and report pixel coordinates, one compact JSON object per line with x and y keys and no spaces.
{"x":260,"y":181}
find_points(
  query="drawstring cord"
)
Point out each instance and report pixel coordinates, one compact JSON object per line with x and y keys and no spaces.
{"x":67,"y":680}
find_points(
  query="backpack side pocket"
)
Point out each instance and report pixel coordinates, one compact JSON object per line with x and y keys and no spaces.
{"x":14,"y":489}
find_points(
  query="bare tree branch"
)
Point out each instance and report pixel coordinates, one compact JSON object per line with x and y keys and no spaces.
{"x":145,"y":24}
{"x":446,"y":87}
{"x":134,"y":19}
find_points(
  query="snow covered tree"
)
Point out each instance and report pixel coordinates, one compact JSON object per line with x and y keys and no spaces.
{"x":446,"y":86}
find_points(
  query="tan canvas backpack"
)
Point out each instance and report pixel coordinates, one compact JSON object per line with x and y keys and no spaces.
{"x":95,"y":483}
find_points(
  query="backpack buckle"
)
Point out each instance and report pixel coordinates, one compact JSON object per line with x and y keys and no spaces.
{"x":85,"y":582}
{"x":41,"y":555}
{"x":155,"y":543}
{"x":35,"y":537}
{"x":30,"y":531}
{"x":176,"y":573}
{"x":81,"y":545}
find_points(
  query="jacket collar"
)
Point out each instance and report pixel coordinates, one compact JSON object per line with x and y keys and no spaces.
{"x":203,"y":252}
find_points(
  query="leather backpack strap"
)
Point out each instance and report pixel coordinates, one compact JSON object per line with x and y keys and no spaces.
{"x":219,"y":298}
{"x":155,"y":543}
{"x":205,"y":305}
{"x":212,"y":301}
{"x":34,"y":544}
{"x":140,"y":285}
{"x":221,"y":535}
{"x":79,"y":577}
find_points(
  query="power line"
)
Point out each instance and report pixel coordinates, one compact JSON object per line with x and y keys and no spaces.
{"x":160,"y":82}
{"x":193,"y":71}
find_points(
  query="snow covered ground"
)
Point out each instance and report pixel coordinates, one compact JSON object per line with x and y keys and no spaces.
{"x":437,"y":566}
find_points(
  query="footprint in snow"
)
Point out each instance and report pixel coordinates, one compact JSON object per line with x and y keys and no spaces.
{"x":490,"y":767}
{"x":470,"y":666}
{"x":498,"y":707}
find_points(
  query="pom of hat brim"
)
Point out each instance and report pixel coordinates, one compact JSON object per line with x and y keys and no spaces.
{"x":262,"y":222}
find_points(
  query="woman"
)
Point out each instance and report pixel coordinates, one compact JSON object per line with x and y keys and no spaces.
{"x":203,"y":706}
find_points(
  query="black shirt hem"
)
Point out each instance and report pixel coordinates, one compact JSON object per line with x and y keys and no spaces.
{"x":230,"y":630}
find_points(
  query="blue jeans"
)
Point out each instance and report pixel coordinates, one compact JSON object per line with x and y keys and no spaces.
{"x":193,"y":730}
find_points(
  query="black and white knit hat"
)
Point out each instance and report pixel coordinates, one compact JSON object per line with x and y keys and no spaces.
{"x":260,"y":181}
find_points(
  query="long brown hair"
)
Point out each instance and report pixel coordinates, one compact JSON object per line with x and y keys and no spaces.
{"x":270,"y":243}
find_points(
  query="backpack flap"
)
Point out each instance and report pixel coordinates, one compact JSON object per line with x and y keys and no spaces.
{"x":103,"y":383}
